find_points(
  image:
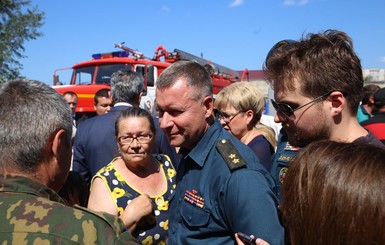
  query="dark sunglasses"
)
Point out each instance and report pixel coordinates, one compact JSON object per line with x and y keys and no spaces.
{"x":288,"y":111}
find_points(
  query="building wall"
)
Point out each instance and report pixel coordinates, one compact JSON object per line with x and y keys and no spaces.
{"x":374,"y":76}
{"x":262,"y":85}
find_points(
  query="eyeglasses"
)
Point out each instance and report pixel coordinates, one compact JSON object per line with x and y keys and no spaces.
{"x":288,"y":111}
{"x":128,"y":139}
{"x":224,"y":116}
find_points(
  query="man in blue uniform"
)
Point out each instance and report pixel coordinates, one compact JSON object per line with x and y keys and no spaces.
{"x":221,"y":186}
{"x":281,"y":161}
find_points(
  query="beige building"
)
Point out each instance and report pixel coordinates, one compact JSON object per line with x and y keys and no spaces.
{"x":374,"y":76}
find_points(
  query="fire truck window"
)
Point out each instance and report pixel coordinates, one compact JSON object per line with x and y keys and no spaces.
{"x":140,"y":70}
{"x":147,"y":75}
{"x":105,"y":72}
{"x":84,"y":75}
{"x":83,"y":78}
{"x":150,"y":76}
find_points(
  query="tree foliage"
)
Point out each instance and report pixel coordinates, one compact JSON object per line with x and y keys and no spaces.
{"x":19,"y":22}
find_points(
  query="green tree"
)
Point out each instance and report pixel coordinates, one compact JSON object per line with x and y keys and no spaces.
{"x":19,"y":22}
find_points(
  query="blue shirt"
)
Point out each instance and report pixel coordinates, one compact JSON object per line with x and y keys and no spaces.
{"x":285,"y":154}
{"x":211,"y":202}
{"x":281,"y":161}
{"x":362,"y":114}
{"x":262,"y":149}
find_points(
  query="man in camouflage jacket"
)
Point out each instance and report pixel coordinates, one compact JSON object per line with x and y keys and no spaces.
{"x":35,"y":157}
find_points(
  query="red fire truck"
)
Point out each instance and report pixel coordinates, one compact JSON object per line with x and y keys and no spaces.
{"x":90,"y":76}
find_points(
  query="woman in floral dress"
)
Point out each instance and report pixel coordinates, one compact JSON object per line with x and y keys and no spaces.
{"x":133,"y":177}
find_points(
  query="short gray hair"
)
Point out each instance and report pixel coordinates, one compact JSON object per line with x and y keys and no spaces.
{"x":196,"y":77}
{"x":31,"y":112}
{"x":126,"y":86}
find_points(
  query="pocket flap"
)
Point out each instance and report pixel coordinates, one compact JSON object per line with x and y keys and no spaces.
{"x":194,"y":216}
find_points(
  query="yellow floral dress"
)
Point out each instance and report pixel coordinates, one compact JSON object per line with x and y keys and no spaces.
{"x":154,"y":229}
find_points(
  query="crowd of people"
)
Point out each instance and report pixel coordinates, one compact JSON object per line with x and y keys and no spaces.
{"x":201,"y":170}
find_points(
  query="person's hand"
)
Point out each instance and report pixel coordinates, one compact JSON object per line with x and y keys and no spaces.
{"x":135,"y":211}
{"x":259,"y":241}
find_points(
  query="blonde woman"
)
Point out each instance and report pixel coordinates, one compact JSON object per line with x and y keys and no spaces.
{"x":239,"y":108}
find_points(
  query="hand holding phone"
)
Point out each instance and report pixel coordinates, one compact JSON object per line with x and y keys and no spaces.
{"x":246,"y":239}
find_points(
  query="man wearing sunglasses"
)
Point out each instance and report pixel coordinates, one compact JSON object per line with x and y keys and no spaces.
{"x":318,"y":85}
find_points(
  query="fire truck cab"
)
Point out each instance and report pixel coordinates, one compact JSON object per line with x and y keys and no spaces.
{"x":88,"y":77}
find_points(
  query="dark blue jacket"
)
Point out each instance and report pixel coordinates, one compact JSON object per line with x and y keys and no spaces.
{"x":281,"y":161}
{"x":212,"y":202}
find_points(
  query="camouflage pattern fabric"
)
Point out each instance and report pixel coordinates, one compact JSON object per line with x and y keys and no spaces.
{"x":31,"y":213}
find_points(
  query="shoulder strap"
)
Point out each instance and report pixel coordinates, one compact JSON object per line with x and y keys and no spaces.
{"x":230,"y":154}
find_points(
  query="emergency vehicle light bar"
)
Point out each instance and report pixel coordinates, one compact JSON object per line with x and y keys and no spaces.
{"x":99,"y":56}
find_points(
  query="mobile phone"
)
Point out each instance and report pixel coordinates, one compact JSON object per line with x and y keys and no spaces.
{"x":246,"y":239}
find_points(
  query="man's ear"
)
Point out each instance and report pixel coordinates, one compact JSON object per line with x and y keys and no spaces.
{"x":58,"y":160}
{"x":140,"y":98}
{"x":371,"y":100}
{"x":58,"y":139}
{"x":338,"y":102}
{"x":208,"y":103}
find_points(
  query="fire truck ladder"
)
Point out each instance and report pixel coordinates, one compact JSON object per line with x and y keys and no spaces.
{"x":135,"y":53}
{"x":210,"y":66}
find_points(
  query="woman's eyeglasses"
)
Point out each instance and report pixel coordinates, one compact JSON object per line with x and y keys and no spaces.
{"x":224,"y":116}
{"x":128,"y":139}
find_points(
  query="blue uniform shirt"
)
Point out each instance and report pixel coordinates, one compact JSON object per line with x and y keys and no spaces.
{"x":211,"y":202}
{"x":281,"y":161}
{"x":285,"y":154}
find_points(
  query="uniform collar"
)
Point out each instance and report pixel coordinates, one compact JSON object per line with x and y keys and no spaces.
{"x":201,"y":151}
{"x":123,"y":104}
{"x":15,"y":183}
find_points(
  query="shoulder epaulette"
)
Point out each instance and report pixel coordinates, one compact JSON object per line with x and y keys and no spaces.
{"x":230,"y":154}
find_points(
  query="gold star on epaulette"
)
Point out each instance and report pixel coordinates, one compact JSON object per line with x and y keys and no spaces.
{"x":230,"y":154}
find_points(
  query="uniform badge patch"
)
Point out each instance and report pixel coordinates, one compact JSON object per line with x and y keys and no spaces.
{"x":289,"y":147}
{"x":285,"y":158}
{"x":282,"y":174}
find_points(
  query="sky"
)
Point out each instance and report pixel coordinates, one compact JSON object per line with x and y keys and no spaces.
{"x":234,"y":33}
